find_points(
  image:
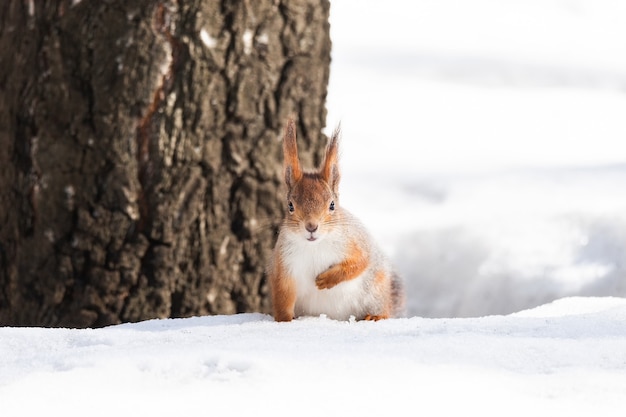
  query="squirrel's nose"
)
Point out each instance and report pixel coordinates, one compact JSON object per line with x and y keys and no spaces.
{"x":310,"y":227}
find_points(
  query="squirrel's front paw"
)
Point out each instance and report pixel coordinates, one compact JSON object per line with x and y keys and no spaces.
{"x":326,"y":280}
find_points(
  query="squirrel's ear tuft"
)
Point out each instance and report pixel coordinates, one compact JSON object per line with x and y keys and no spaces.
{"x":330,"y":165}
{"x":293,"y":171}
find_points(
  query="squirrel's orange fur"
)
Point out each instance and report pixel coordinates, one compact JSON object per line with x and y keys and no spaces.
{"x":324,"y":261}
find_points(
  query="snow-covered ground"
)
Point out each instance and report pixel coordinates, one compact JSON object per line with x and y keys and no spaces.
{"x":564,"y":359}
{"x":484,"y":144}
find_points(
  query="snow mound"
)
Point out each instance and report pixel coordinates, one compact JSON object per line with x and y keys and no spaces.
{"x":576,"y":306}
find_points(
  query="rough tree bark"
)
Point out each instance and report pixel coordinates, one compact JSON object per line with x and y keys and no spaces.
{"x":140,"y":152}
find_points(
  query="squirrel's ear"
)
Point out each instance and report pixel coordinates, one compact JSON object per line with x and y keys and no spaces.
{"x":293,"y":172}
{"x":330,"y":165}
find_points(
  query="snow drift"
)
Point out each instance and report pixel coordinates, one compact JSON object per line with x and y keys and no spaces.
{"x":568,"y":357}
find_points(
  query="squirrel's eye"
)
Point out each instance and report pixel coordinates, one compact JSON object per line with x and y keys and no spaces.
{"x":291,"y":208}
{"x":332,"y":206}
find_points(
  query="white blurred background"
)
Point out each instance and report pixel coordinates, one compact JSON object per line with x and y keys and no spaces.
{"x":484,"y":145}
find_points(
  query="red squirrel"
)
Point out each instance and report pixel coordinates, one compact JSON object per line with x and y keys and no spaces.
{"x":325,"y":261}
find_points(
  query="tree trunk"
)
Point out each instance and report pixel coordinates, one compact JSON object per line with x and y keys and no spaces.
{"x":140,"y":152}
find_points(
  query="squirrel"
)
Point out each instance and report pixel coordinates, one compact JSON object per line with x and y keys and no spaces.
{"x":325,"y":262}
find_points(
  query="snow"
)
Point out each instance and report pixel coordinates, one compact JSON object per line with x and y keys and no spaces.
{"x":483,"y":147}
{"x":565,"y":357}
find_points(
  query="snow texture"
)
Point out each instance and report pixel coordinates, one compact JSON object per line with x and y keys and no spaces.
{"x":565,"y":358}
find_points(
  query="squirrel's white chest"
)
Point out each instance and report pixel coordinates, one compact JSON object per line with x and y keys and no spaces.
{"x":306,"y":261}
